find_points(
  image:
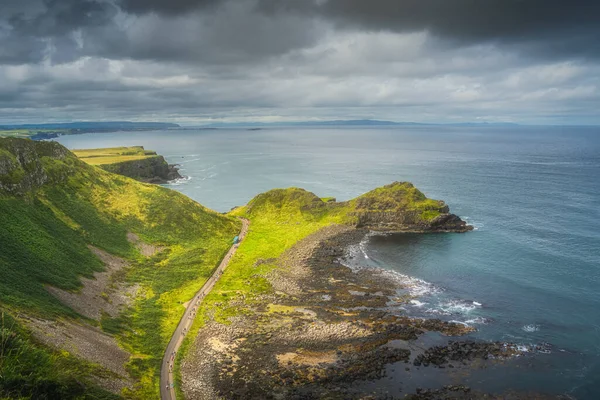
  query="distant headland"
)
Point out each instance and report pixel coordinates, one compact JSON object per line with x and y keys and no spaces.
{"x":53,"y":130}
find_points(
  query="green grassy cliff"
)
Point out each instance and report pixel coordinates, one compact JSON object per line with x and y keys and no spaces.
{"x":53,"y":207}
{"x":134,"y":162}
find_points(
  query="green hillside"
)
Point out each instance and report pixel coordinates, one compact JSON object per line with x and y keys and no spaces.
{"x":52,"y":207}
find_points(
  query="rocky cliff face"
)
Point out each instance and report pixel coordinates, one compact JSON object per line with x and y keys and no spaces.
{"x":402,"y":221}
{"x":400,"y":207}
{"x":27,"y":165}
{"x":151,"y":170}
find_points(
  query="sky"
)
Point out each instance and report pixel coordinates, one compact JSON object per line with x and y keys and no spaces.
{"x":202,"y":61}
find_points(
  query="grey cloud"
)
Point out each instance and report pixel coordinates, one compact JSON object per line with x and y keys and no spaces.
{"x":557,"y":27}
{"x":170,"y":7}
{"x":31,"y":31}
{"x":231,"y":35}
{"x":543,"y":28}
{"x":403,"y":60}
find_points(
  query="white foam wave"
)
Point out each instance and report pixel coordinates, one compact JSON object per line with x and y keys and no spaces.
{"x":459,"y":322}
{"x":179,"y":181}
{"x":415,"y":286}
{"x":475,"y":224}
{"x":523,"y":348}
{"x":477,"y":321}
{"x":459,"y":306}
{"x":530,"y":328}
{"x":363,"y":245}
{"x":436,"y":311}
{"x":417,"y":303}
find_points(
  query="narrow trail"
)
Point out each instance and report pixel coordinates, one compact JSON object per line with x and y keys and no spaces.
{"x":167,"y":390}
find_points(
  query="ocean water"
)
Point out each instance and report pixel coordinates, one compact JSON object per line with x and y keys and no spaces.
{"x":529,"y":273}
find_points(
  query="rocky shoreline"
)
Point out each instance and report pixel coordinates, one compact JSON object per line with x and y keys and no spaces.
{"x":325,"y":332}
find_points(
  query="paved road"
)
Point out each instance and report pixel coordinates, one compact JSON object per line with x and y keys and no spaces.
{"x":166,"y":370}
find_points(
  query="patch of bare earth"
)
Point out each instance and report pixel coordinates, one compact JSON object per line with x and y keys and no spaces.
{"x":97,"y":295}
{"x":89,"y":343}
{"x":214,"y":343}
{"x":145,"y":249}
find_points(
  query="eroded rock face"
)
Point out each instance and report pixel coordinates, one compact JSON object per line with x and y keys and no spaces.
{"x":401,"y":207}
{"x":410,"y":221}
{"x":149,"y":170}
{"x":23,"y":166}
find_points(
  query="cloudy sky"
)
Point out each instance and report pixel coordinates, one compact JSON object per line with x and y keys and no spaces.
{"x":197,"y":61}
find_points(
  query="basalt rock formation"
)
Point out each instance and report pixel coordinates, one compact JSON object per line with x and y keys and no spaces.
{"x":401,"y":207}
{"x":150,"y":170}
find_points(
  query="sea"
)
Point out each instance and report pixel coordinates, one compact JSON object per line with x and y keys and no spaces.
{"x":529,"y":273}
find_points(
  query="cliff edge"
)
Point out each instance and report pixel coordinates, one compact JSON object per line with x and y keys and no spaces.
{"x":134,"y":162}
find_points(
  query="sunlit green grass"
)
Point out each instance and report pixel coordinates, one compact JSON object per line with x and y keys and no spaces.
{"x":45,"y":234}
{"x":113,"y":155}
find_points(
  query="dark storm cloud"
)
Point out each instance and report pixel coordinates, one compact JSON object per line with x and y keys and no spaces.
{"x":571,"y":27}
{"x":187,"y":60}
{"x":60,"y":17}
{"x":558,"y":26}
{"x":236,"y":31}
{"x":28,"y":28}
{"x":168,"y":7}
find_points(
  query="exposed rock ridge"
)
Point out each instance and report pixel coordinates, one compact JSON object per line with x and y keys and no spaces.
{"x":401,"y":207}
{"x":23,"y":167}
{"x":408,"y":222}
{"x":150,"y":170}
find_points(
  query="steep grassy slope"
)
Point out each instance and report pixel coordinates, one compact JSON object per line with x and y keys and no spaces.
{"x":30,"y":370}
{"x":53,"y":205}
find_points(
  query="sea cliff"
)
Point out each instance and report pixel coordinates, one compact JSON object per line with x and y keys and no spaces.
{"x":134,"y":162}
{"x":150,"y":170}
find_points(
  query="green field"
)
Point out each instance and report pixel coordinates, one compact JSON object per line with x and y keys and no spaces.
{"x":45,"y":232}
{"x":113,"y":155}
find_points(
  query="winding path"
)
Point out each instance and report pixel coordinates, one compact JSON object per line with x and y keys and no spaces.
{"x":167,"y":391}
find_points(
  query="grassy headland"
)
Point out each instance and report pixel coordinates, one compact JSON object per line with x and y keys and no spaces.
{"x":53,"y":207}
{"x":134,"y":162}
{"x":112,"y":155}
{"x":282,"y":217}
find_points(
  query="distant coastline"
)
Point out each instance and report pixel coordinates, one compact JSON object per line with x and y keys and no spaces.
{"x":54,"y":130}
